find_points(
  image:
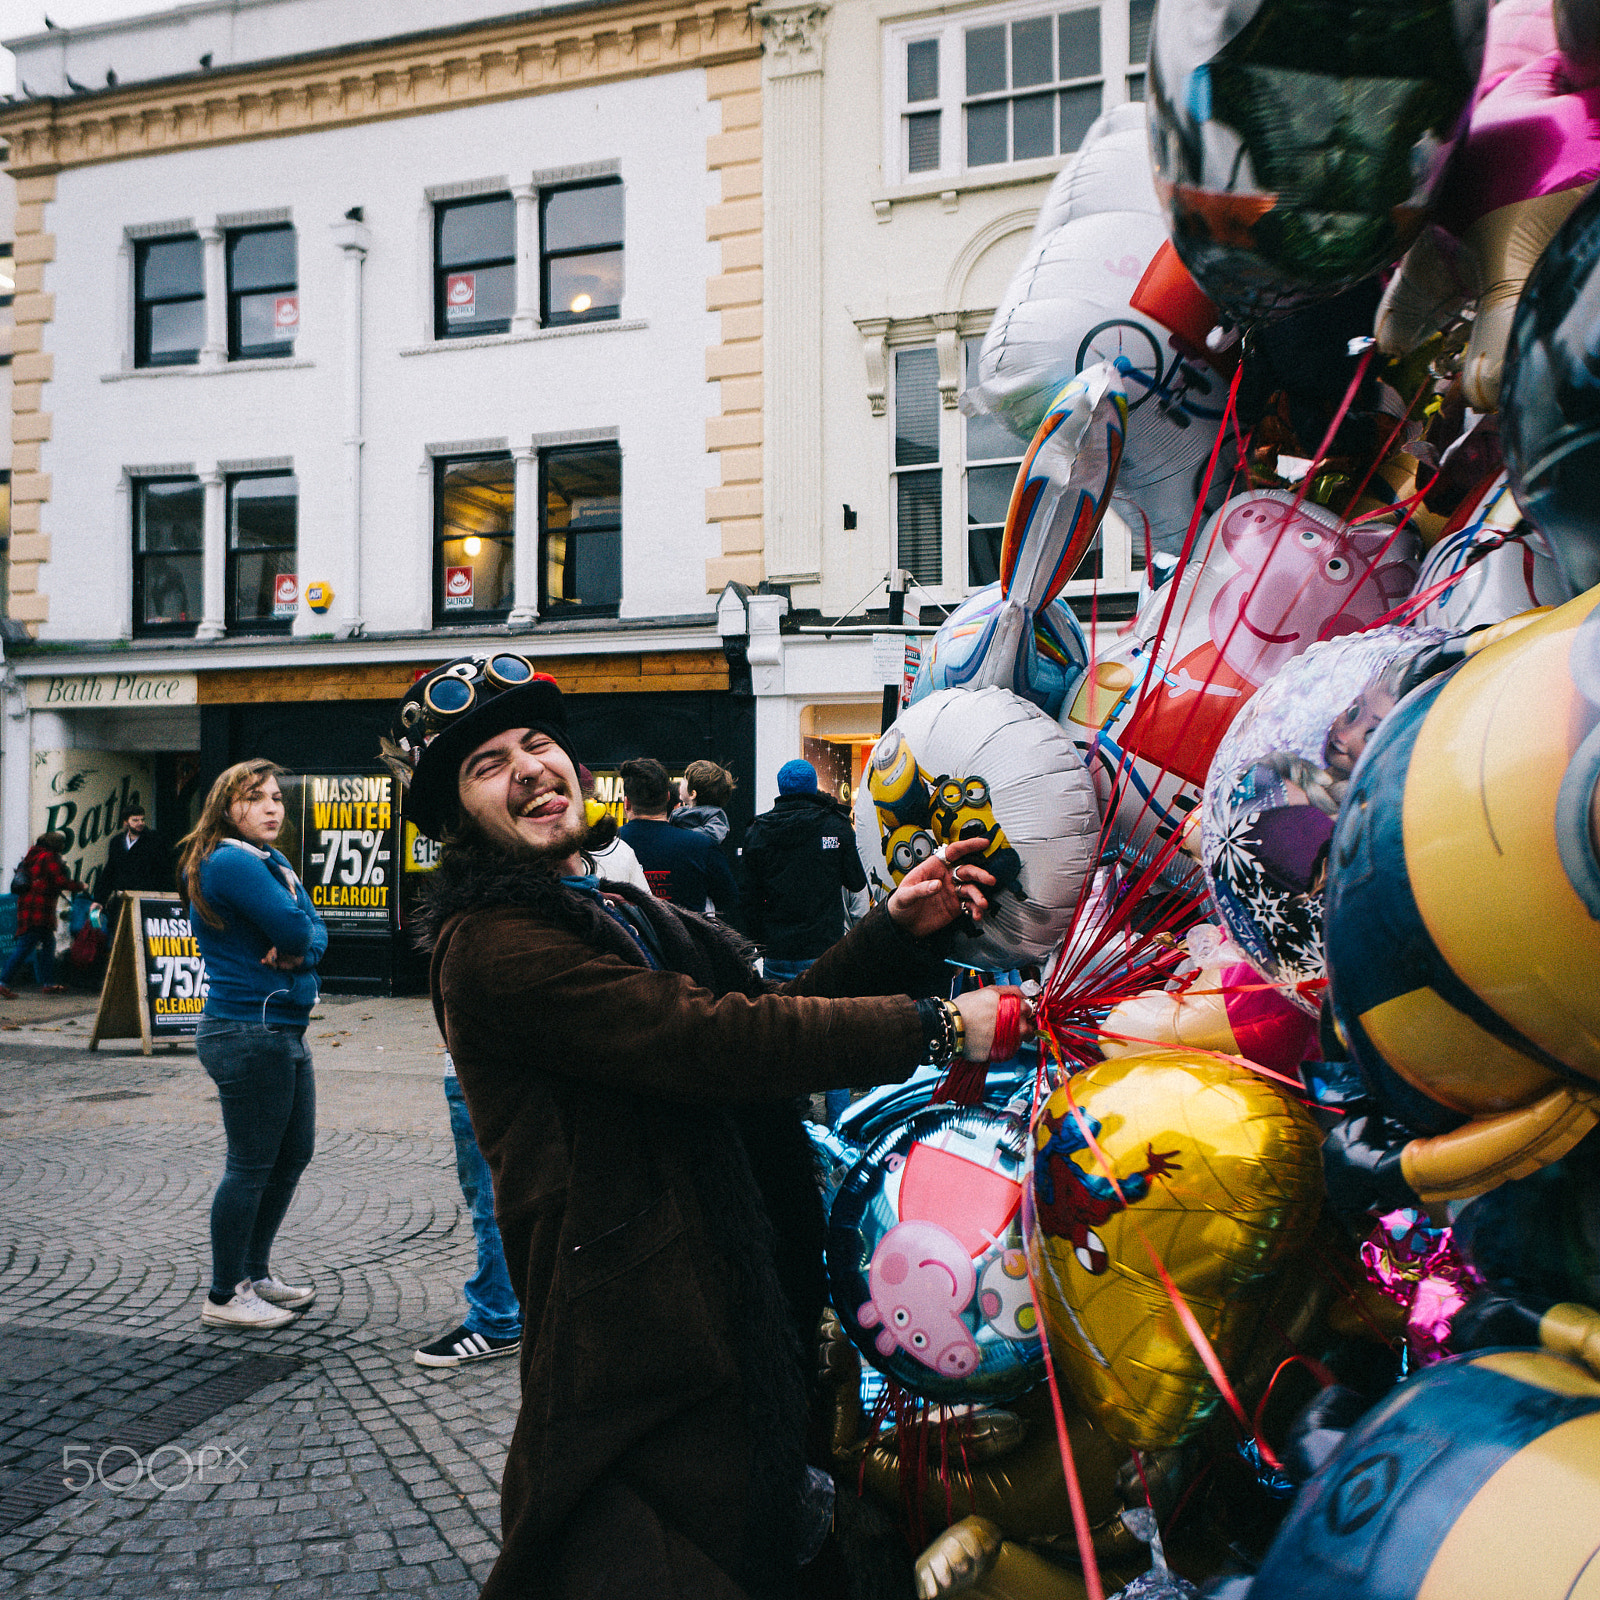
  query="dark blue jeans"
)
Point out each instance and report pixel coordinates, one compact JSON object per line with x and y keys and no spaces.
{"x":492,"y":1308}
{"x":40,"y":943}
{"x":269,"y":1112}
{"x":838,"y":1100}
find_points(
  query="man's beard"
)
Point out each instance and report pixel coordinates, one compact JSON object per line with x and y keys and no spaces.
{"x":552,"y":854}
{"x":556,"y":852}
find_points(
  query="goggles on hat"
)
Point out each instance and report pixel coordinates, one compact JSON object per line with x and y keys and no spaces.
{"x":462,"y":685}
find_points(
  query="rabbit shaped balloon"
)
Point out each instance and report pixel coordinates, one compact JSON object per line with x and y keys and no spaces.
{"x":981,"y":759}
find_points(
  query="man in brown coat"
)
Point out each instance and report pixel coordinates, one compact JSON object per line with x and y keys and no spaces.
{"x":633,"y":1085}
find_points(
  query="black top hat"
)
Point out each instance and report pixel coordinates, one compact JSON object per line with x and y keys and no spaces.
{"x":446,"y":715}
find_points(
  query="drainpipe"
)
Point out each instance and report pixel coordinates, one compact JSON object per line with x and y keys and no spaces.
{"x":354,"y":238}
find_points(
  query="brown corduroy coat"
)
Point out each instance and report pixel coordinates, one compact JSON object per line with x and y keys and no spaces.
{"x":641,"y":1130}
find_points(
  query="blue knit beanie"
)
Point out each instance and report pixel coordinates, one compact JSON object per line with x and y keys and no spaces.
{"x":797,"y":777}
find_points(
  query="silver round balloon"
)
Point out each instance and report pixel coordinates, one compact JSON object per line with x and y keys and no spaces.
{"x":965,"y":763}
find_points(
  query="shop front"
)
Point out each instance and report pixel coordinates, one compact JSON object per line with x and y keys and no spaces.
{"x":95,"y":746}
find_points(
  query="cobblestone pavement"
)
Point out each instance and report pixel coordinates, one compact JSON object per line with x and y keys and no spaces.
{"x":353,"y":1472}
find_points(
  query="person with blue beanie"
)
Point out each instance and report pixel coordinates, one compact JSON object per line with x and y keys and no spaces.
{"x":261,"y":939}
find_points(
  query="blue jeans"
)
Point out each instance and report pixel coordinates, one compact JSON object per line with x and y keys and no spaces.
{"x":40,"y":943}
{"x":492,"y":1308}
{"x":269,"y":1112}
{"x":838,"y":1100}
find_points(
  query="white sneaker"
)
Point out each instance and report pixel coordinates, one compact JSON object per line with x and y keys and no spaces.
{"x":245,"y":1310}
{"x":291,"y":1296}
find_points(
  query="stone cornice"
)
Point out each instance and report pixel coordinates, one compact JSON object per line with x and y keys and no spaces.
{"x":367,"y":84}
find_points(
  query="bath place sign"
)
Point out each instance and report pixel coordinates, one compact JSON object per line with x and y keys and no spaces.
{"x":101,"y":691}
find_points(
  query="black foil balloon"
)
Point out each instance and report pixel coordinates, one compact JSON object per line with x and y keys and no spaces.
{"x":1550,"y":397}
{"x":1297,"y":142}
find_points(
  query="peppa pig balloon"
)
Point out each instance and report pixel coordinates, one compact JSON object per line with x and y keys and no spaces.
{"x":1267,"y":580}
{"x":925,"y":1255}
{"x":1085,"y":292}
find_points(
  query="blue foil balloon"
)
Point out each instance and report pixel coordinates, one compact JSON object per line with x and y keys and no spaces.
{"x":925,"y":1256}
{"x":1047,"y":674}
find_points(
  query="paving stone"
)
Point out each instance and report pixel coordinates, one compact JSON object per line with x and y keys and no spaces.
{"x":359,"y":1473}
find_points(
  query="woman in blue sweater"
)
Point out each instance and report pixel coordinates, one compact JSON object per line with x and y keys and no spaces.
{"x":261,"y":940}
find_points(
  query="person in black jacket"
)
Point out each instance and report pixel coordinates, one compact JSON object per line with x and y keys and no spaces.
{"x":799,"y":862}
{"x":135,"y":859}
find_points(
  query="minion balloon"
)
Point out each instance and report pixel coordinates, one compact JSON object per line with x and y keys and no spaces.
{"x":1477,"y":1479}
{"x":1463,"y":909}
{"x":971,"y":763}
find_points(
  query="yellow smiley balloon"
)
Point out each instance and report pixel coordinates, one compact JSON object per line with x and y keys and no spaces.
{"x":1215,"y":1169}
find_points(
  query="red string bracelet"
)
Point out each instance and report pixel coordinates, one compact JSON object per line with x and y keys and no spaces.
{"x":1007,"y":1026}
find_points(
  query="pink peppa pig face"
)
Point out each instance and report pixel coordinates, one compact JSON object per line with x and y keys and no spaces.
{"x":1305,"y":575}
{"x":921,"y":1279}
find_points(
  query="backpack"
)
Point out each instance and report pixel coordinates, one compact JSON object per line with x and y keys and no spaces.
{"x":22,"y":878}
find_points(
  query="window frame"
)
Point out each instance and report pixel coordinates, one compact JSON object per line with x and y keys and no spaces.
{"x":935,"y":470}
{"x":252,"y":626}
{"x":142,"y":302}
{"x":1115,"y":77}
{"x":6,"y":512}
{"x":141,"y":629}
{"x":476,"y":616}
{"x":548,"y":318}
{"x":443,"y":329}
{"x":552,"y":610}
{"x":1121,"y":557}
{"x":237,"y":351}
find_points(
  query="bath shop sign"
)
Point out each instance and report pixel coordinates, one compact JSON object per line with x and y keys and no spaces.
{"x":104,"y":690}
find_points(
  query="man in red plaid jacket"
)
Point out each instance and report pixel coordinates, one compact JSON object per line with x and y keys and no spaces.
{"x":48,"y":880}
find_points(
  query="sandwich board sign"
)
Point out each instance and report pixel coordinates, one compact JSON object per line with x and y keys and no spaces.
{"x":155,"y":988}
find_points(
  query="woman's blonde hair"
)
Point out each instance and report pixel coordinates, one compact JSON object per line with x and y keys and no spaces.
{"x":238,"y":782}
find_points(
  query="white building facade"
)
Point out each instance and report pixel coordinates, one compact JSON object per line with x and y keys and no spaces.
{"x":918,"y":145}
{"x":331,"y":366}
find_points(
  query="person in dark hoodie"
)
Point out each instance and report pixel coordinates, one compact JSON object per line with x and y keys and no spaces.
{"x":633,"y":1082}
{"x":799,"y":862}
{"x":704,"y":791}
{"x":135,"y":859}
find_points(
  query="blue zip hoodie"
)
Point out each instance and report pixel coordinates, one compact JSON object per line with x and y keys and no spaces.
{"x":250,"y":890}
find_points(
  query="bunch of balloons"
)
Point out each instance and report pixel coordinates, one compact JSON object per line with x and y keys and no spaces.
{"x":1283,"y":1252}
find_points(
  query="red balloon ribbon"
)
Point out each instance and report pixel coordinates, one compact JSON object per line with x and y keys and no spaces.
{"x":1007,"y":1026}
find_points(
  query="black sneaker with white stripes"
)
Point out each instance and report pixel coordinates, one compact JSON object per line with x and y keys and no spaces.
{"x":462,"y":1346}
